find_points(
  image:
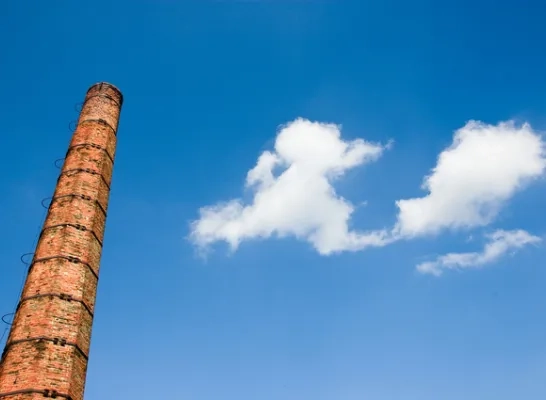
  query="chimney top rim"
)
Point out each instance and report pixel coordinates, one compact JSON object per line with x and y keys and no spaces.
{"x":113,"y":87}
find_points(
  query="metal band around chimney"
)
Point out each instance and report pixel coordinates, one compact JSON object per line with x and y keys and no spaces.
{"x":73,"y":171}
{"x":62,"y":296}
{"x":74,"y":195}
{"x":49,"y":393}
{"x":90,"y":145}
{"x":98,"y":121}
{"x":106,"y":96}
{"x":71,"y":259}
{"x":75,"y":226}
{"x":55,"y":341}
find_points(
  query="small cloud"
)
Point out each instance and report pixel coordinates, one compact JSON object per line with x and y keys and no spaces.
{"x":484,"y":166}
{"x":499,"y":243}
{"x":293,"y":193}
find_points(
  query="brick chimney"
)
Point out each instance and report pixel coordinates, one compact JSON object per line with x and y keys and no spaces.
{"x":48,"y":346}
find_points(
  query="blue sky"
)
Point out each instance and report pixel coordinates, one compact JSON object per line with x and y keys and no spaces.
{"x":207,"y":85}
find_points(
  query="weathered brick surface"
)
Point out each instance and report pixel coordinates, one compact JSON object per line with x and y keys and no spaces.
{"x":48,"y":345}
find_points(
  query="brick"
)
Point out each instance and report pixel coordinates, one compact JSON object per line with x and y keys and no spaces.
{"x":48,"y":344}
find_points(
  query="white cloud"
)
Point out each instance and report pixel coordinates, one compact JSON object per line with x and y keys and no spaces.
{"x":484,"y":166}
{"x":293,"y":193}
{"x":499,"y":243}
